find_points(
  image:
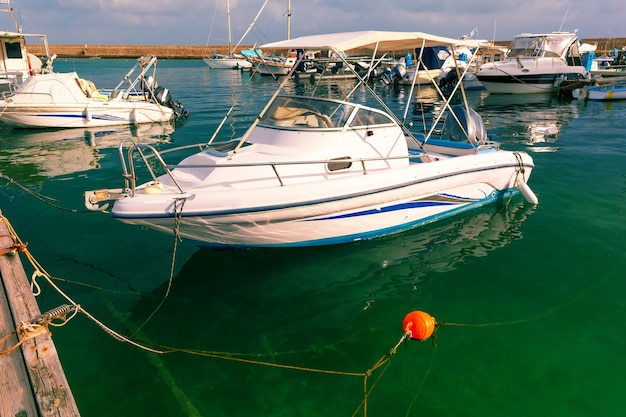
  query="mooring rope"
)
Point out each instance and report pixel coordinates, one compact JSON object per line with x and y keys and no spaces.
{"x":64,"y":313}
{"x":519,"y":171}
{"x":45,"y":199}
{"x":179,"y":203}
{"x":40,"y":324}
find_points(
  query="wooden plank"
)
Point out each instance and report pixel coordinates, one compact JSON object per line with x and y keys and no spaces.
{"x":16,"y":397}
{"x":47,"y":383}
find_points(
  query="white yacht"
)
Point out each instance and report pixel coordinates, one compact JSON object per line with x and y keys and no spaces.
{"x":535,"y":63}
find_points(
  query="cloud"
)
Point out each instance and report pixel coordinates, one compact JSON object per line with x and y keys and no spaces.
{"x":188,"y":22}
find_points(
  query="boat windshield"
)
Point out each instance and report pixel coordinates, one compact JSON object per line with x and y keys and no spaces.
{"x":534,"y":46}
{"x":307,"y":112}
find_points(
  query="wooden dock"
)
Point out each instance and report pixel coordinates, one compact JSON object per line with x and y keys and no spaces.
{"x":32,"y":382}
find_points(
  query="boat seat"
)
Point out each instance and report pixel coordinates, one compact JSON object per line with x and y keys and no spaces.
{"x":308,"y":120}
{"x":89,"y":88}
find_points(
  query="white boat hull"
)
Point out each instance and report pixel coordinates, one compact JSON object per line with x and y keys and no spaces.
{"x":355,"y":208}
{"x":607,"y":93}
{"x":92,"y":115}
{"x":424,"y":77}
{"x":518,"y":87}
{"x":274,"y":70}
{"x":228,"y":63}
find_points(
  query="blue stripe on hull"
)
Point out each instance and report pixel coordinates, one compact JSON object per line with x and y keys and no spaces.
{"x":79,"y":116}
{"x":460,"y":208}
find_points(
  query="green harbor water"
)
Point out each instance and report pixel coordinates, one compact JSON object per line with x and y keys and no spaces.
{"x":530,"y":299}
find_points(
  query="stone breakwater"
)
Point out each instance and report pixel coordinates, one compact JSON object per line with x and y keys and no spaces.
{"x":129,"y":51}
{"x":197,"y":51}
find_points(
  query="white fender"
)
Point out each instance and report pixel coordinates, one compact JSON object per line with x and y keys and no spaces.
{"x":528,"y":194}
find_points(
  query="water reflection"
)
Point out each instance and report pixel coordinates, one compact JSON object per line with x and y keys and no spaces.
{"x":288,"y":290}
{"x":52,"y":153}
{"x":535,"y":120}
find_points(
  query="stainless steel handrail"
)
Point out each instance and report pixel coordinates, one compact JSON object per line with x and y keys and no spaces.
{"x":130,"y":177}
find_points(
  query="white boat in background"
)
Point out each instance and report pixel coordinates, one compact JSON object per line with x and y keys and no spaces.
{"x":231,"y":60}
{"x":16,"y":63}
{"x":609,"y":91}
{"x":535,"y":63}
{"x":319,"y":170}
{"x":310,"y":64}
{"x":276,"y":66}
{"x":468,"y":62}
{"x":438,"y":63}
{"x":64,"y":100}
{"x":423,"y":70}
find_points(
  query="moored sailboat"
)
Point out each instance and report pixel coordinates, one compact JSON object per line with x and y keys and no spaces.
{"x":231,"y":60}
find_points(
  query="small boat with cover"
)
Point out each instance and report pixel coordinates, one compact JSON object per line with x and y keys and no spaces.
{"x":607,"y":92}
{"x":319,"y":170}
{"x":64,"y":100}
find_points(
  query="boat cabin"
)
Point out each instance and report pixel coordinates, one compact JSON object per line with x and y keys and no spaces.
{"x":554,"y":45}
{"x":16,"y":63}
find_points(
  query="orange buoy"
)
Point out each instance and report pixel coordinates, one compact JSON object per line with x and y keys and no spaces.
{"x":419,"y":325}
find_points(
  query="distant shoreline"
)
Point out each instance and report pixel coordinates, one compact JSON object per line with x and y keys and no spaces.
{"x":129,"y":51}
{"x":200,"y":51}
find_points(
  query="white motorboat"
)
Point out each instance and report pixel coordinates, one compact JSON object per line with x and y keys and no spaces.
{"x":273,"y":65}
{"x":16,"y":63}
{"x":426,"y":67}
{"x":468,"y":61}
{"x":64,"y":100}
{"x":535,"y":63}
{"x":320,"y":170}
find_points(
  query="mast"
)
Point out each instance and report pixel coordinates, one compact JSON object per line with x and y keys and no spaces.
{"x":230,"y":51}
{"x":249,"y":27}
{"x":288,"y":19}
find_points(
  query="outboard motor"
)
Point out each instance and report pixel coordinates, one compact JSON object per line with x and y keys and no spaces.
{"x":396,"y":73}
{"x":472,"y":123}
{"x":448,"y":82}
{"x":162,"y":96}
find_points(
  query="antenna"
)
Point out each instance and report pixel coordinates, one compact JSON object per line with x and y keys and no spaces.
{"x":563,"y":21}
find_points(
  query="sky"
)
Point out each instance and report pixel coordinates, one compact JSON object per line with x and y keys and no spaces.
{"x":204,"y":22}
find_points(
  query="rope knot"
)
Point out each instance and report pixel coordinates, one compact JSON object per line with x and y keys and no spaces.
{"x":14,"y":248}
